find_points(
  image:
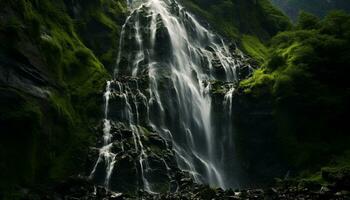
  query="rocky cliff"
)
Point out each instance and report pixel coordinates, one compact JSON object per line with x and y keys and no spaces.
{"x":56,"y":57}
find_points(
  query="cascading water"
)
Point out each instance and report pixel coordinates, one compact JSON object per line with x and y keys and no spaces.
{"x":228,"y":98}
{"x":105,"y":153}
{"x":177,"y":59}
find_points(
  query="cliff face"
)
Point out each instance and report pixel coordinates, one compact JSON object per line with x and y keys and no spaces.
{"x":250,"y":23}
{"x":234,"y":18}
{"x":316,"y":7}
{"x":54,"y":60}
{"x":56,"y":55}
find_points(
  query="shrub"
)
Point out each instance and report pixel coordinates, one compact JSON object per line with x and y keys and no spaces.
{"x":307,"y":21}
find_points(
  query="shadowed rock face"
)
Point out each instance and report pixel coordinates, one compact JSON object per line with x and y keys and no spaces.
{"x":18,"y":72}
{"x":172,"y":112}
{"x":127,"y":174}
{"x":81,"y":188}
{"x":50,"y":84}
{"x":135,"y":156}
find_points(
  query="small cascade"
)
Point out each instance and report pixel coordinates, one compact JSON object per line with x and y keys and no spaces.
{"x":142,"y":158}
{"x":131,"y":115}
{"x":128,"y":110}
{"x":228,"y":101}
{"x":105,"y":154}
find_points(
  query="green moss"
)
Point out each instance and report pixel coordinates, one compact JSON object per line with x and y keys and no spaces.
{"x":105,"y":20}
{"x":303,"y":79}
{"x":255,"y":48}
{"x":52,"y":48}
{"x":315,"y":178}
{"x":218,"y":87}
{"x":334,"y":172}
{"x":99,"y":27}
{"x":259,"y":84}
{"x":63,"y":108}
{"x":54,"y":131}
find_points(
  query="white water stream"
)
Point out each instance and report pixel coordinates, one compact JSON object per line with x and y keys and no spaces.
{"x":161,"y":41}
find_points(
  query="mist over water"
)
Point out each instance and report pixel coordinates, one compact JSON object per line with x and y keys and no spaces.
{"x":173,"y":61}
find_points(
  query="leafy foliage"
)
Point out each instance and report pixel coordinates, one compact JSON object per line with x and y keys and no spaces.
{"x":305,"y":77}
{"x":255,"y":48}
{"x":317,"y":7}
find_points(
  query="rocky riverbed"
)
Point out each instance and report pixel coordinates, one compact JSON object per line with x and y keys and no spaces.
{"x":82,"y":188}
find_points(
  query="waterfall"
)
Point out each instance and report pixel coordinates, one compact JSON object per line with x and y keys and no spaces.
{"x":228,"y":100}
{"x":175,"y":59}
{"x":105,"y":153}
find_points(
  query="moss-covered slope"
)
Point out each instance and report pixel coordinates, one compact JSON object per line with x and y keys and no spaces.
{"x":53,"y":59}
{"x":299,"y":99}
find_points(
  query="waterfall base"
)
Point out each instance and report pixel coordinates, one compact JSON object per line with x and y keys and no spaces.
{"x":83,"y":188}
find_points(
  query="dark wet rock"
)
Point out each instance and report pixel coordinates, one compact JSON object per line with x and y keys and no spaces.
{"x":20,"y":72}
{"x":156,"y":141}
{"x":126,"y":133}
{"x":340,"y":177}
{"x":117,"y":147}
{"x":83,"y":188}
{"x":125,"y":174}
{"x":71,"y":189}
{"x":157,"y":164}
{"x":162,"y":41}
{"x":75,"y":187}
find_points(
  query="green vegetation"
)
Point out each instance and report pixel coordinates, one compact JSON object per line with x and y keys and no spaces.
{"x":46,"y":121}
{"x":55,"y":56}
{"x":253,"y":46}
{"x":99,"y":25}
{"x":304,"y":81}
{"x":316,"y":7}
{"x":233,"y":18}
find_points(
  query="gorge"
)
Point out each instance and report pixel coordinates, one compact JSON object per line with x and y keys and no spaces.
{"x":172,"y":99}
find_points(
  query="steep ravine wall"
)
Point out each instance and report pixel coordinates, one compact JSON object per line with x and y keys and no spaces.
{"x":54,"y":60}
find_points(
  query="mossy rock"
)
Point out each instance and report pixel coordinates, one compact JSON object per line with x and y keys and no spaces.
{"x":338,"y":176}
